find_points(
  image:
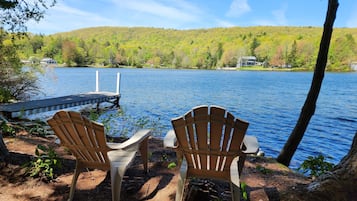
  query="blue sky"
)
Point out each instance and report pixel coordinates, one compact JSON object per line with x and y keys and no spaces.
{"x":68,"y":15}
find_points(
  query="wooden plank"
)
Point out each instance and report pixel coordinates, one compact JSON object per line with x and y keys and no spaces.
{"x":44,"y":105}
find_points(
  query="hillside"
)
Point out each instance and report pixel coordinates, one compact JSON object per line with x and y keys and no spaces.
{"x":201,"y":48}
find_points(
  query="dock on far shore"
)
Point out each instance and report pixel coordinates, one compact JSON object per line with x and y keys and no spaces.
{"x":19,"y":109}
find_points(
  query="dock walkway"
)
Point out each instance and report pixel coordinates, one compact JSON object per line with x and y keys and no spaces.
{"x":37,"y":106}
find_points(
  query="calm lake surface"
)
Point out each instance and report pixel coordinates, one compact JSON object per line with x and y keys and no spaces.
{"x":269,"y":101}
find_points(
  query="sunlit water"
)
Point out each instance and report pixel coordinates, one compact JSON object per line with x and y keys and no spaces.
{"x":270,"y":101}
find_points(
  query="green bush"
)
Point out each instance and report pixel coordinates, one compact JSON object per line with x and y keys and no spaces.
{"x":315,"y":166}
{"x":38,"y":130}
{"x":243,"y":191}
{"x":7,"y":129}
{"x":5,"y":95}
{"x":45,"y":163}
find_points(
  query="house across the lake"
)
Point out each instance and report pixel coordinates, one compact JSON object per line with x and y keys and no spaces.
{"x":246,"y":61}
{"x":354,"y":65}
{"x":48,"y":62}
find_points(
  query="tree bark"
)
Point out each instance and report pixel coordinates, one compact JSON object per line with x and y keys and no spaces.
{"x":3,"y":149}
{"x":309,"y":107}
{"x":340,"y":184}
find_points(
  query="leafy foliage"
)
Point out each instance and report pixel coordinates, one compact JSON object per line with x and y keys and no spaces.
{"x":201,"y":48}
{"x":7,"y":129}
{"x":15,"y":82}
{"x":117,"y":123}
{"x":171,"y":165}
{"x":263,"y":170}
{"x":316,"y":166}
{"x":14,"y":14}
{"x":45,"y":163}
{"x":243,"y":190}
{"x":38,"y":130}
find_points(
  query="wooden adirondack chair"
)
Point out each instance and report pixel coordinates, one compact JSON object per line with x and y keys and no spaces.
{"x":87,"y":142}
{"x":213,"y":145}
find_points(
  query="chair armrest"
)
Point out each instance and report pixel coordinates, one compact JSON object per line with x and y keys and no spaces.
{"x":170,"y":139}
{"x":235,"y":172}
{"x":251,"y":143}
{"x":134,"y":140}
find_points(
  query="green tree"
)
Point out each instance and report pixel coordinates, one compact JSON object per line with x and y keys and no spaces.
{"x":15,"y":14}
{"x":343,"y":51}
{"x":14,"y":82}
{"x":292,"y":57}
{"x":69,"y":52}
{"x":255,"y":43}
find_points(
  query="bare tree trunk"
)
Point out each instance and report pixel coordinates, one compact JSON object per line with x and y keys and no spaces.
{"x":340,"y":184}
{"x":3,"y":149}
{"x":309,"y":107}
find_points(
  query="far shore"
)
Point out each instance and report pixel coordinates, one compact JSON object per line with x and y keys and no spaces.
{"x":247,"y":68}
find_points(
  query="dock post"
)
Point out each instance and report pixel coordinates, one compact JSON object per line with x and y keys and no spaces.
{"x":118,"y":83}
{"x":96,"y":81}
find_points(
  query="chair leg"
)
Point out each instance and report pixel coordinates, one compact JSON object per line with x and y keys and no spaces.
{"x":144,"y":153}
{"x":181,"y":182}
{"x":116,"y":180}
{"x":241,"y":163}
{"x":117,"y":173}
{"x":77,"y":171}
{"x":235,"y":192}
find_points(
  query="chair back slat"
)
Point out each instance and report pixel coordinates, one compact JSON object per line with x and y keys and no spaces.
{"x":82,"y":131}
{"x":84,"y":138}
{"x":209,"y":138}
{"x":216,"y":129}
{"x":186,"y":140}
{"x":201,"y":119}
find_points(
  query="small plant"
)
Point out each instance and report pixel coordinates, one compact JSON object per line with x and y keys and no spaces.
{"x":171,"y":165}
{"x":315,"y":166}
{"x":243,"y":190}
{"x":262,"y":169}
{"x":164,"y":157}
{"x":7,"y":129}
{"x":44,"y":164}
{"x":38,"y":130}
{"x":93,"y":115}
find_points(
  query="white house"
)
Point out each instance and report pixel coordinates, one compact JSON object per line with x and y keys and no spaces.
{"x":354,"y":66}
{"x":247,"y":61}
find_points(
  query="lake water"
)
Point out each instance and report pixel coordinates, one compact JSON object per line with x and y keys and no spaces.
{"x":269,"y":101}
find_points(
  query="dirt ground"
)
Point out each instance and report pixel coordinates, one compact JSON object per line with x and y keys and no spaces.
{"x":264,"y":178}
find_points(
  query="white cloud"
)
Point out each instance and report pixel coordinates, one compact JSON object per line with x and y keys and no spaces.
{"x":264,"y":22}
{"x":278,"y":18}
{"x":65,"y":18}
{"x":238,"y":8}
{"x":352,"y":20}
{"x":223,"y":23}
{"x":280,"y":15}
{"x":175,"y":10}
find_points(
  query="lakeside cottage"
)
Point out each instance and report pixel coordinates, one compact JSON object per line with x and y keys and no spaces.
{"x":354,"y":65}
{"x":246,"y":61}
{"x":48,"y":62}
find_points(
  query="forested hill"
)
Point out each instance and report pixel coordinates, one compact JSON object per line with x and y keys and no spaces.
{"x":201,"y":48}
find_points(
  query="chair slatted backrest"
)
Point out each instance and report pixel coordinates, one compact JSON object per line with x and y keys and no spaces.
{"x":209,"y":138}
{"x":83,"y":137}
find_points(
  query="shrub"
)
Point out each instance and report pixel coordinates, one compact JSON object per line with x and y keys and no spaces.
{"x":7,"y":129}
{"x":38,"y":130}
{"x":44,"y":164}
{"x":315,"y":166}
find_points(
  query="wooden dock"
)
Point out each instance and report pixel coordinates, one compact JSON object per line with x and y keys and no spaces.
{"x":19,"y":109}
